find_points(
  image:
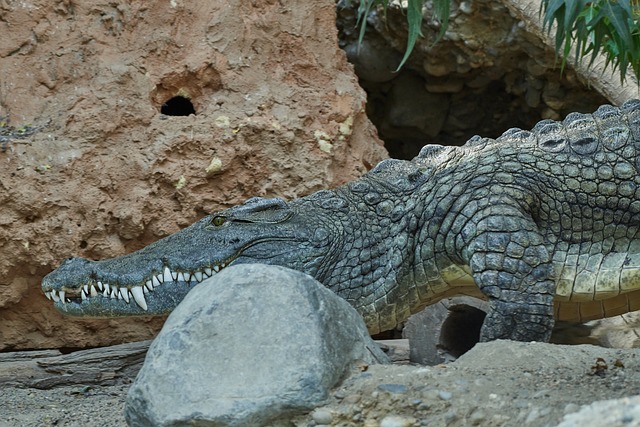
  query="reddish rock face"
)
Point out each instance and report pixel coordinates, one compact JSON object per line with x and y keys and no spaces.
{"x":278,"y":112}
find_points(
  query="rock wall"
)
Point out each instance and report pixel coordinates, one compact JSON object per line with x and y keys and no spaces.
{"x":278,"y":112}
{"x":487,"y":74}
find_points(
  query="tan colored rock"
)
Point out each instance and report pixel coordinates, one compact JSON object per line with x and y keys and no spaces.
{"x":108,"y":174}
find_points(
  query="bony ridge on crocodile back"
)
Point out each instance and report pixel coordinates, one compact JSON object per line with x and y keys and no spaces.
{"x":542,"y":223}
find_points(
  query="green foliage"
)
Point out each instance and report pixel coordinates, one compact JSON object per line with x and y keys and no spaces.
{"x":414,"y":19}
{"x":608,"y":26}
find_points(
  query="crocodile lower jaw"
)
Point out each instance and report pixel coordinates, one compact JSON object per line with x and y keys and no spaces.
{"x":135,"y":293}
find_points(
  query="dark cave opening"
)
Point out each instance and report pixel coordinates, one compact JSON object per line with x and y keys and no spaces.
{"x":178,"y":106}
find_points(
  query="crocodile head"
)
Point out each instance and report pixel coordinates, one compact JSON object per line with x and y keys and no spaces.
{"x":156,"y":278}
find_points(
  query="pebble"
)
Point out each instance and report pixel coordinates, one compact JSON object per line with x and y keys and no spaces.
{"x":322,"y":416}
{"x":570,"y":408}
{"x":397,"y":421}
{"x":533,"y":415}
{"x":352,"y":398}
{"x":340,"y":394}
{"x":393,"y":388}
{"x":445,"y":395}
{"x":450,"y":416}
{"x":465,"y":7}
{"x":477,"y":417}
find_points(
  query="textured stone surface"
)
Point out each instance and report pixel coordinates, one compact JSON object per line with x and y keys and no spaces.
{"x":444,"y":331}
{"x":278,"y":112}
{"x":623,"y":412}
{"x":617,"y":332}
{"x":489,"y":72}
{"x":250,"y":345}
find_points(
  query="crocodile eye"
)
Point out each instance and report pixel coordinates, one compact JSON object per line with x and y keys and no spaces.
{"x":218,"y":220}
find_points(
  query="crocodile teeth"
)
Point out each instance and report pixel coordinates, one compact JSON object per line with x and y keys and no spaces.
{"x":107,"y":287}
{"x":86,"y":289}
{"x":62,"y":299}
{"x":166,"y":276}
{"x":209,"y":272}
{"x":216,"y":268}
{"x":48,"y":295}
{"x":105,"y":293}
{"x":124,"y":292}
{"x":180,"y":277}
{"x":93,"y":291}
{"x":149,"y":284}
{"x":198,"y":275}
{"x":138,"y":296}
{"x":155,"y":281}
{"x":100,"y":285}
{"x":83,"y":295}
{"x":114,"y":294}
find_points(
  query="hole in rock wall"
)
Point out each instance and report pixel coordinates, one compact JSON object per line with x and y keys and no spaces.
{"x":486,"y":75}
{"x":177,"y":106}
{"x":461,"y":329}
{"x":185,"y":92}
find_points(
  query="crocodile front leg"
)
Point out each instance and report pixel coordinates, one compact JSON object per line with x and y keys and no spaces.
{"x":512,"y":267}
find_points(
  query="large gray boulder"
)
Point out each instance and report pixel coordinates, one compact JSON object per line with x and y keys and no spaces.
{"x":251,"y":345}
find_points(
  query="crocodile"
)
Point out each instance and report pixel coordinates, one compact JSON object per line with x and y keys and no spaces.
{"x":543,"y":224}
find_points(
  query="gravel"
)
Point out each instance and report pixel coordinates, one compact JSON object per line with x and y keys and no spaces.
{"x":495,"y":384}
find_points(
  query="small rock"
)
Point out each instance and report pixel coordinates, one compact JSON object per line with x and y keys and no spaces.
{"x":534,"y":414}
{"x":340,"y":394}
{"x":571,"y":408}
{"x":450,"y":416}
{"x":352,"y":398}
{"x":438,"y":68}
{"x":397,"y":421}
{"x":393,"y":388}
{"x":445,"y":395}
{"x":373,"y":63}
{"x":477,"y":417}
{"x":465,"y":7}
{"x":426,"y":111}
{"x":322,"y":416}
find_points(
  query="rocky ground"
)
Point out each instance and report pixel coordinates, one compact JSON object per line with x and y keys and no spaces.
{"x":495,"y":384}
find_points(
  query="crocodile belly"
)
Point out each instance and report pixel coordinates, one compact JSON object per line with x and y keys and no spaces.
{"x":597,"y":285}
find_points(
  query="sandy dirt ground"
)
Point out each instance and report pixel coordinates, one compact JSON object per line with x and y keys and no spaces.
{"x":495,"y":384}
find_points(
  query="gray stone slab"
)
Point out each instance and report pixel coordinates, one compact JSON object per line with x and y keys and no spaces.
{"x":445,"y":330}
